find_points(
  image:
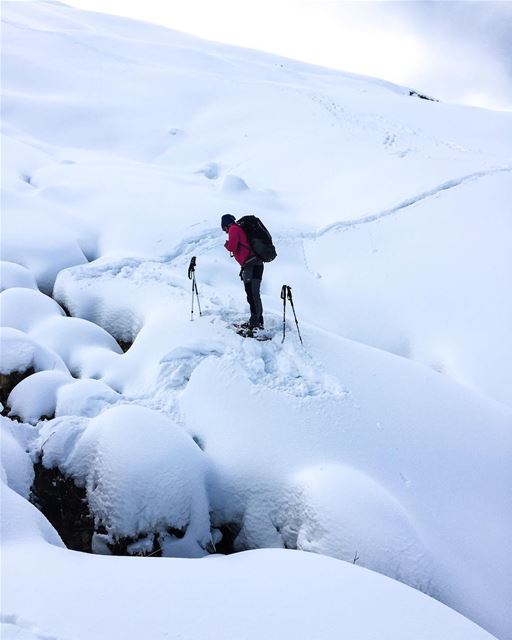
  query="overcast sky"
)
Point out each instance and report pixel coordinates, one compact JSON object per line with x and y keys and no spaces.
{"x":457,"y":51}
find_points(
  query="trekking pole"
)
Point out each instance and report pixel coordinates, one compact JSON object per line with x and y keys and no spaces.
{"x":197,"y":294}
{"x":283,"y":298}
{"x":294,"y":314}
{"x":192,"y":276}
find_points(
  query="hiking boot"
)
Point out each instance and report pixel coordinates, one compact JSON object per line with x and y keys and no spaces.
{"x":256,"y":333}
{"x":245,"y":332}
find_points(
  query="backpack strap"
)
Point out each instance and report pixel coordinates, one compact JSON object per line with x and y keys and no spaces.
{"x":247,"y":246}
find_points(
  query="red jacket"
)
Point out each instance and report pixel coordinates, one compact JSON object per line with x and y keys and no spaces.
{"x":238,"y":245}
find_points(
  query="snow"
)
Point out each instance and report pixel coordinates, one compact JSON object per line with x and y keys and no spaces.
{"x":36,"y":395}
{"x":22,"y":524}
{"x":84,"y":398}
{"x":435,"y":297}
{"x":40,"y":245}
{"x":22,"y":308}
{"x":336,"y":507}
{"x":381,"y":446}
{"x":71,"y":338}
{"x":14,"y":275}
{"x":20,"y":353}
{"x":315,"y":597}
{"x":426,"y":441}
{"x":142,"y":475}
{"x":16,"y":469}
{"x":233,"y":184}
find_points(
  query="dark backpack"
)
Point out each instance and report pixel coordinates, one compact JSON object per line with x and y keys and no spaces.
{"x":259,"y":237}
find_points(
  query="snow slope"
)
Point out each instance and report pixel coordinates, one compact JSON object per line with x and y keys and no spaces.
{"x":385,"y":441}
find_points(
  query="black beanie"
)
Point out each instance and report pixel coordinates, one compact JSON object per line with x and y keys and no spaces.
{"x":227,"y":220}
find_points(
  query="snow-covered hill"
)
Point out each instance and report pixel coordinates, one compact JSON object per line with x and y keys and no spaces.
{"x":383,"y":442}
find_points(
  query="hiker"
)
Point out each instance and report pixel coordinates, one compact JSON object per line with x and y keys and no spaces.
{"x":251,"y":272}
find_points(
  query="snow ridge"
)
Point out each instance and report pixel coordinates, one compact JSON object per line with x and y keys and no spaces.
{"x":449,"y":184}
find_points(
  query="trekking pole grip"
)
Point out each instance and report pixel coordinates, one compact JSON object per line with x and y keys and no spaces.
{"x":191,"y":267}
{"x":283,"y":298}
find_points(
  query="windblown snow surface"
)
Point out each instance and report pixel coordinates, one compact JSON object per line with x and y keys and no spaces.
{"x":382,"y":444}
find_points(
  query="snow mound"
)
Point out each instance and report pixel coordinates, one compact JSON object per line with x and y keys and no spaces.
{"x":144,"y":476}
{"x":85,"y":398}
{"x":108,"y":302}
{"x":24,"y":308}
{"x":77,"y":341}
{"x":210,"y":170}
{"x":15,"y":464}
{"x":21,"y":521}
{"x":15,"y":275}
{"x":337,"y":511}
{"x":234,"y":184}
{"x":25,"y":523}
{"x":21,"y":353}
{"x":35,"y":397}
{"x":44,"y":247}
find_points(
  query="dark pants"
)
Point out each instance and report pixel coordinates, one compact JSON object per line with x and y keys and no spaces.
{"x":251,"y":276}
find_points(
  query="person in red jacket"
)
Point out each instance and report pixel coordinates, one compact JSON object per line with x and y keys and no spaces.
{"x":251,"y":271}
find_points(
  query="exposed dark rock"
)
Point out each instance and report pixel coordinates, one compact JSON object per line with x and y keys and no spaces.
{"x":120,"y":547}
{"x":150,"y":547}
{"x":27,"y":178}
{"x":124,"y":345}
{"x":198,"y":441}
{"x":422,"y":96}
{"x":10,"y":380}
{"x":64,"y":308}
{"x":229,"y":532}
{"x":177,"y":533}
{"x":65,"y":506}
